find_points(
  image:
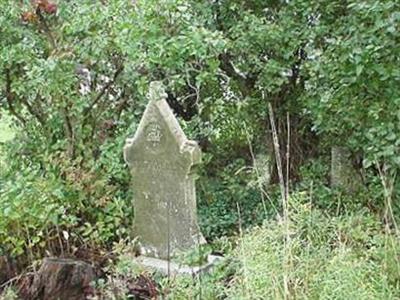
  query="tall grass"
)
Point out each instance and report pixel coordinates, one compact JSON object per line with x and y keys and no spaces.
{"x":347,"y":256}
{"x":343,"y":257}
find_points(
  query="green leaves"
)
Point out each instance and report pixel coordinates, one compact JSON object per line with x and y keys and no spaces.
{"x":28,"y":205}
{"x":356,"y":66}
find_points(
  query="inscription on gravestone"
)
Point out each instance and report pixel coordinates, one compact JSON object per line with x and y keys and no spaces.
{"x":161,"y":159}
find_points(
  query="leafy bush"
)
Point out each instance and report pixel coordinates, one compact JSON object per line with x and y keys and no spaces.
{"x":61,"y":209}
{"x":354,"y":79}
{"x":223,"y":198}
{"x":73,"y":81}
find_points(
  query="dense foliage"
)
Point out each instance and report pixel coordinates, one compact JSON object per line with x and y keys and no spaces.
{"x":74,"y":77}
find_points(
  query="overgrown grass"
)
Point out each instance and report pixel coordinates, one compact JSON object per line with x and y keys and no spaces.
{"x":348,"y":256}
{"x":331,"y":257}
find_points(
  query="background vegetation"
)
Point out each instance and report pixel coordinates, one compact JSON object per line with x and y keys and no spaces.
{"x":317,"y":74}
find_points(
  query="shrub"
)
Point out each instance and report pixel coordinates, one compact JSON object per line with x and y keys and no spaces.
{"x":221,"y":196}
{"x":62,"y":208}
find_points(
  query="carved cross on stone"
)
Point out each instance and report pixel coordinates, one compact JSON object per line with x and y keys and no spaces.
{"x":161,"y":159}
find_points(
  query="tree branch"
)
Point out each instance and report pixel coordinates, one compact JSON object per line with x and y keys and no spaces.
{"x":34,"y":112}
{"x":103,"y":91}
{"x":10,"y":98}
{"x":46,"y":28}
{"x":122,"y":104}
{"x":70,"y":133}
{"x":246,"y":84}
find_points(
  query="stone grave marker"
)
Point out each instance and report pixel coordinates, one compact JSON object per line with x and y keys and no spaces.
{"x":161,"y":161}
{"x":343,"y":173}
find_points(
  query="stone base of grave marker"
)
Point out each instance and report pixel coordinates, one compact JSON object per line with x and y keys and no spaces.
{"x":166,"y":267}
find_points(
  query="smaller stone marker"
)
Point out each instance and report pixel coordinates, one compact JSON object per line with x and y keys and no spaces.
{"x":161,"y":161}
{"x":343,"y":173}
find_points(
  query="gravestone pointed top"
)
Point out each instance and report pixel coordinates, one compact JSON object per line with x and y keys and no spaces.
{"x":159,"y":132}
{"x":156,"y":91}
{"x":161,"y":159}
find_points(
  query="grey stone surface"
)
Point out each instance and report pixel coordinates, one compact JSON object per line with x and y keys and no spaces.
{"x":161,"y":161}
{"x":166,"y":267}
{"x":343,"y":174}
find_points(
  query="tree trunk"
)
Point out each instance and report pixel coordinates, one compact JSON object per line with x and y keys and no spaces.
{"x":60,"y":278}
{"x":7,"y":269}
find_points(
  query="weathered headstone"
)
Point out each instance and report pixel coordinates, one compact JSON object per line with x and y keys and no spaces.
{"x":161,"y":161}
{"x":343,"y":174}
